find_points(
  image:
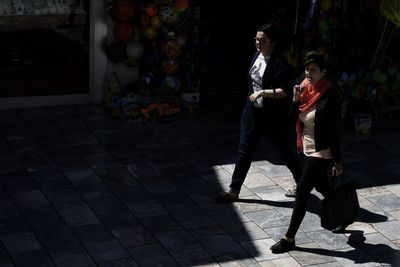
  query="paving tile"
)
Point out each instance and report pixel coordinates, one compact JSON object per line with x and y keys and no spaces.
{"x":177,"y":240}
{"x":106,"y":250}
{"x":389,"y":229}
{"x":134,"y":236}
{"x":259,"y":250}
{"x":386,"y":202}
{"x":116,"y":175}
{"x":143,"y":169}
{"x":31,"y":258}
{"x":226,"y":216}
{"x":278,"y":232}
{"x":354,"y":257}
{"x":161,"y":223}
{"x":312,"y":254}
{"x":224,"y":244}
{"x":152,"y":255}
{"x":273,"y":193}
{"x":328,"y":240}
{"x":82,"y":176}
{"x":145,"y":207}
{"x":246,"y":232}
{"x":268,"y":218}
{"x":158,"y":185}
{"x":124,"y":262}
{"x":193,"y":256}
{"x":289,"y":262}
{"x":20,"y":242}
{"x":63,"y":247}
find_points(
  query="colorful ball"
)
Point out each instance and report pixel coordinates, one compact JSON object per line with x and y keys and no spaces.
{"x":171,"y":83}
{"x":170,"y":67}
{"x":144,"y":20}
{"x":168,"y":14}
{"x":155,"y":22}
{"x":123,"y":10}
{"x":171,"y":49}
{"x":134,"y":50}
{"x":150,"y":33}
{"x":181,"y":5}
{"x":151,"y":9}
{"x":123,"y":31}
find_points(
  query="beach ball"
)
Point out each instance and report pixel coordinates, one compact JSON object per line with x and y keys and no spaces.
{"x":123,"y":10}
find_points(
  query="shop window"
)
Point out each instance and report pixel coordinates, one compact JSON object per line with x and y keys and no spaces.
{"x":43,"y":47}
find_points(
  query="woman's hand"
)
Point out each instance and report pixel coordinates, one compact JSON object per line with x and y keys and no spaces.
{"x":337,"y":169}
{"x":256,"y":95}
{"x":296,"y":92}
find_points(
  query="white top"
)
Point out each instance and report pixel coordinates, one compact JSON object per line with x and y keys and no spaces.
{"x":308,"y":117}
{"x":256,"y":74}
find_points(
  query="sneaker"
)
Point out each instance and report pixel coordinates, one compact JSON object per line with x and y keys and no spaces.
{"x":340,"y":229}
{"x":291,"y":192}
{"x":226,"y":197}
{"x":282,"y":246}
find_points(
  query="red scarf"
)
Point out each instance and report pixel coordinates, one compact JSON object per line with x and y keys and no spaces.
{"x":308,"y":97}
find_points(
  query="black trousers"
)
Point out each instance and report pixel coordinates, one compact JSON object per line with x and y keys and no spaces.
{"x":278,"y":133}
{"x":315,"y":174}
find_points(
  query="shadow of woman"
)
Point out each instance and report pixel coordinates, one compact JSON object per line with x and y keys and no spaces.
{"x":364,"y":215}
{"x":362,"y":252}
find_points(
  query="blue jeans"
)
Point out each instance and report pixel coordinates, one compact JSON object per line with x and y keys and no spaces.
{"x":279,"y":135}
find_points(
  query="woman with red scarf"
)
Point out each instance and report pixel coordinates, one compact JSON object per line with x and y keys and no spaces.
{"x":317,"y":109}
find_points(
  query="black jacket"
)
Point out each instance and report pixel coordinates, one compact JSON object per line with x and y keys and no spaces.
{"x":327,"y":122}
{"x":278,"y":74}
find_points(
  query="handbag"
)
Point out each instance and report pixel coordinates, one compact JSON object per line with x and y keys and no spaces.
{"x":340,"y":207}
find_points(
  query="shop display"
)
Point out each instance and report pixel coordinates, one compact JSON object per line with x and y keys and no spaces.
{"x":161,"y":40}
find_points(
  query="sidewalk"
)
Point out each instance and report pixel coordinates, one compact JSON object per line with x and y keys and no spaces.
{"x":78,"y":188}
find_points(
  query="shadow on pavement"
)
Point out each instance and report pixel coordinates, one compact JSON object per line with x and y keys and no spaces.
{"x":361,"y":252}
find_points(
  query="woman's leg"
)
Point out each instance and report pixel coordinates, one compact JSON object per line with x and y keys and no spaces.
{"x":314,"y":171}
{"x":248,"y":141}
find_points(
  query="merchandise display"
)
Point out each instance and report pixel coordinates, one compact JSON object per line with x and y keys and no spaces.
{"x":161,"y":39}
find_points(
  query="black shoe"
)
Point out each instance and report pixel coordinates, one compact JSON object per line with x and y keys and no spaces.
{"x":340,"y":229}
{"x":226,"y":197}
{"x":282,"y":246}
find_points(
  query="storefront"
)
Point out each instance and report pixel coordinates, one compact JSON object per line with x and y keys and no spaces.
{"x":172,"y":49}
{"x":51,"y":52}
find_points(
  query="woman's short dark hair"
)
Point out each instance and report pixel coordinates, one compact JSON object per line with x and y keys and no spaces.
{"x":320,"y":59}
{"x":270,"y":31}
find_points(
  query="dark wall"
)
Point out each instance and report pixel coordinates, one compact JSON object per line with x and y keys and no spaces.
{"x":231,"y":29}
